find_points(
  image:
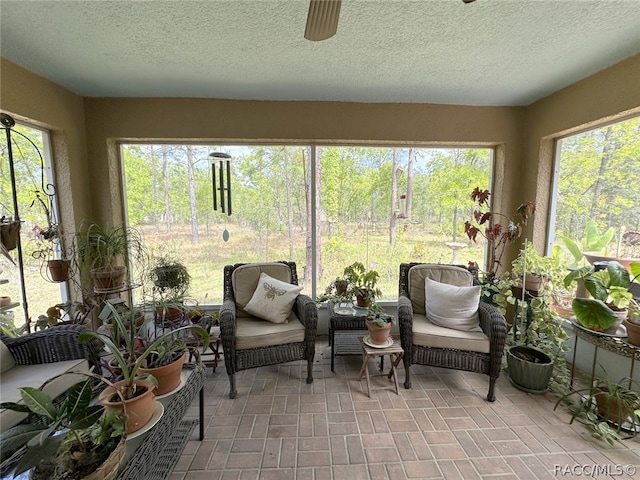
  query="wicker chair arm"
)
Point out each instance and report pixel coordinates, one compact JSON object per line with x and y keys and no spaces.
{"x":493,"y":325}
{"x":306,"y":310}
{"x":54,"y":344}
{"x":405,"y":323}
{"x":228,"y":327}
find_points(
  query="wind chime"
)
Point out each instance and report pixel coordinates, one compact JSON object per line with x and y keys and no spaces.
{"x":221,"y":185}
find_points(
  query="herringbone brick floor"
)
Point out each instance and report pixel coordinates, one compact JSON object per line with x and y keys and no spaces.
{"x":280,"y":428}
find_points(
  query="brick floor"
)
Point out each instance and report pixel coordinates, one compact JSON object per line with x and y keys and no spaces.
{"x":280,"y":428}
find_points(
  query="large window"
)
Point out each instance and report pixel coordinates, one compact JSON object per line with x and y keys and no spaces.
{"x":597,"y":173}
{"x":37,"y":210}
{"x":378,"y":206}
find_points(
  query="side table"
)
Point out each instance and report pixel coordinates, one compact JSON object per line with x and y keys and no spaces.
{"x":617,"y":345}
{"x":395,"y":353}
{"x":342,"y":322}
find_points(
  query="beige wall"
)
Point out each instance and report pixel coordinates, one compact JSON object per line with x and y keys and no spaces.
{"x":28,"y":97}
{"x":609,"y":95}
{"x":90,"y":129}
{"x":109,"y":120}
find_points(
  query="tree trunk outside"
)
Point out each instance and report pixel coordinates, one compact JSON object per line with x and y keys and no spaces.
{"x":604,"y":161}
{"x":195,"y":239}
{"x":393,"y":220}
{"x":410,"y":162}
{"x":165,"y":182}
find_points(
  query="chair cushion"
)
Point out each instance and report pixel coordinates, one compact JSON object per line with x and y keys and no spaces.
{"x":272,"y":299}
{"x":245,"y":278}
{"x":252,"y":332}
{"x":440,"y":273}
{"x":6,"y":359}
{"x":451,"y":306}
{"x":35,"y":376}
{"x":428,"y":334}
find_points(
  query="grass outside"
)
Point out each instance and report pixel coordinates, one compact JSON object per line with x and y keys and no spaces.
{"x":206,"y":259}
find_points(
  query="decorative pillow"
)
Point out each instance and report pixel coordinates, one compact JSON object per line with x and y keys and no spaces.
{"x":6,"y":359}
{"x":273,"y":299}
{"x":452,"y":307}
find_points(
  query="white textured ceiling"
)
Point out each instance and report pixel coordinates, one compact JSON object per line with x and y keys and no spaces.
{"x":490,"y":52}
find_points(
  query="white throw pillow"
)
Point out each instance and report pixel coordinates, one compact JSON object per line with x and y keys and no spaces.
{"x":452,"y":307}
{"x":6,"y":359}
{"x":273,"y":299}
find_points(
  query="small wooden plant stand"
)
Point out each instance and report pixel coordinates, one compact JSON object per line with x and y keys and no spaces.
{"x":395,"y":353}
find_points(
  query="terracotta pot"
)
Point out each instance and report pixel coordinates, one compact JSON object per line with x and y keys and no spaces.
{"x":611,"y":409}
{"x":596,"y":257}
{"x":59,"y":270}
{"x":633,"y":332}
{"x":4,"y":301}
{"x":139,"y":409}
{"x":168,"y":376}
{"x":107,"y":279}
{"x":341,"y":287}
{"x":168,"y":314}
{"x":378,"y":335}
{"x":534,"y":282}
{"x":363,"y":301}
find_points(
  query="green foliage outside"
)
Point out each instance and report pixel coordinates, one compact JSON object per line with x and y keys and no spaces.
{"x":271,"y":194}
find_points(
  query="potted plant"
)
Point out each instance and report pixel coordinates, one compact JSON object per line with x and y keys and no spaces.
{"x":77,"y":437}
{"x":135,"y":388}
{"x":632,"y":323}
{"x":610,"y":296}
{"x":106,"y":253}
{"x":498,"y":229}
{"x":337,"y":291}
{"x":537,"y":351}
{"x":169,"y":273}
{"x":607,"y":407}
{"x":379,"y":324}
{"x":594,"y":246}
{"x":363,"y":284}
{"x":531,"y":268}
{"x":165,"y":363}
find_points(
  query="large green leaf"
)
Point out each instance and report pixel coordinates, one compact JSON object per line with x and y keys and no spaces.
{"x":573,"y":248}
{"x":593,"y":313}
{"x":575,"y":274}
{"x":635,"y":269}
{"x":17,"y":436}
{"x":34,"y":456}
{"x":78,"y":399}
{"x":618,"y":275}
{"x":38,"y":402}
{"x":596,"y":287}
{"x":87,"y":417}
{"x":594,"y":241}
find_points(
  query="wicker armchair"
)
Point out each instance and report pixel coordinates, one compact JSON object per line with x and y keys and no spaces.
{"x":54,"y":344}
{"x":249,"y":342}
{"x":443,"y":347}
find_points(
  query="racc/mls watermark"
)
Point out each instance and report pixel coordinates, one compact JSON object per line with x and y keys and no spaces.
{"x":594,"y":470}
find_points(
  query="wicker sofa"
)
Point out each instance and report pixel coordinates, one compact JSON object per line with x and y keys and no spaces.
{"x":426,"y":343}
{"x":31,"y":360}
{"x":250,"y":342}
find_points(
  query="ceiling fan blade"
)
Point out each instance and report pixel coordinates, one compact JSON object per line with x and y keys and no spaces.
{"x":322,"y":20}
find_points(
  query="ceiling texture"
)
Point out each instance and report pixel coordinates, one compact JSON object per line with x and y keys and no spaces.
{"x":489,"y":52}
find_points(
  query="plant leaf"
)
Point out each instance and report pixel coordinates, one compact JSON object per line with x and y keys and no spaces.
{"x":87,"y":417}
{"x":39,"y":402}
{"x":596,"y":288}
{"x":593,"y":313}
{"x":618,"y":275}
{"x":78,"y":399}
{"x":573,"y":248}
{"x":35,"y":454}
{"x":19,"y":435}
